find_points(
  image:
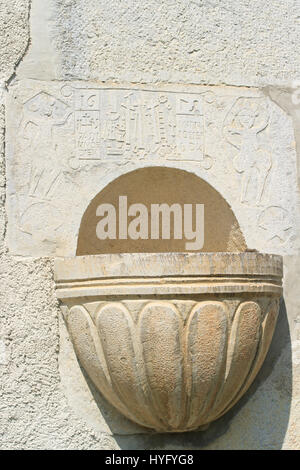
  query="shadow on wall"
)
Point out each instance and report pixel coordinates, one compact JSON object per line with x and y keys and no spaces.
{"x":258,"y":421}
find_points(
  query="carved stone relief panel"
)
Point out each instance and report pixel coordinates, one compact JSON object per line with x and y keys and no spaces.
{"x":66,"y":141}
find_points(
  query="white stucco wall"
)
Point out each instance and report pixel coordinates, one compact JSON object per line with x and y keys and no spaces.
{"x":240,"y":44}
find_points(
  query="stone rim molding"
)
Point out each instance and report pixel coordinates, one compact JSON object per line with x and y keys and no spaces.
{"x":172,"y":340}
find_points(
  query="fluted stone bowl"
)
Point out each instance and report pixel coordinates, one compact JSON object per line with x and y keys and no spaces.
{"x":172,"y":340}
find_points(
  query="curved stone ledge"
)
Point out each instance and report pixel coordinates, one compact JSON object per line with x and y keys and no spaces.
{"x":171,"y":340}
{"x":167,"y":264}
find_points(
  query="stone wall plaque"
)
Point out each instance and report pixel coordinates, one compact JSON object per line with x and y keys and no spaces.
{"x":66,"y":141}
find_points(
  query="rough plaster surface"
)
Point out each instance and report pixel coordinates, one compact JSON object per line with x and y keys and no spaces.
{"x":257,"y":47}
{"x":14,"y":38}
{"x":240,"y":43}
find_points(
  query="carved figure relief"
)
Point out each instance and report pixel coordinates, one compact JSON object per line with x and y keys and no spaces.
{"x":247,"y":118}
{"x":42,"y":115}
{"x":43,"y":111}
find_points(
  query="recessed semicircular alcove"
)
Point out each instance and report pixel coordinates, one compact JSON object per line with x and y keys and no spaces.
{"x":162,"y":185}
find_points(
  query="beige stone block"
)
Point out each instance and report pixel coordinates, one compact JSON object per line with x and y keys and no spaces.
{"x":173,"y":340}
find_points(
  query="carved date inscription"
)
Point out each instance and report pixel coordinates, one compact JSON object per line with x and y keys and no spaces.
{"x":116,"y":124}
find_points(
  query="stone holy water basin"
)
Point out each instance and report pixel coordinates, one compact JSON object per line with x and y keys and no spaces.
{"x":172,"y":340}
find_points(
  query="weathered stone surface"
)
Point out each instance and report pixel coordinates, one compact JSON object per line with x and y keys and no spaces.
{"x":192,"y":330}
{"x":189,"y":41}
{"x":67,"y":141}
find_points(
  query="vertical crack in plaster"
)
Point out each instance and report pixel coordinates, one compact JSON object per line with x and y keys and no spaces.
{"x":2,"y":169}
{"x":3,"y":125}
{"x":21,"y":58}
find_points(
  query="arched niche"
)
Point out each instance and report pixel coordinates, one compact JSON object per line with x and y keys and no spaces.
{"x":158,"y":185}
